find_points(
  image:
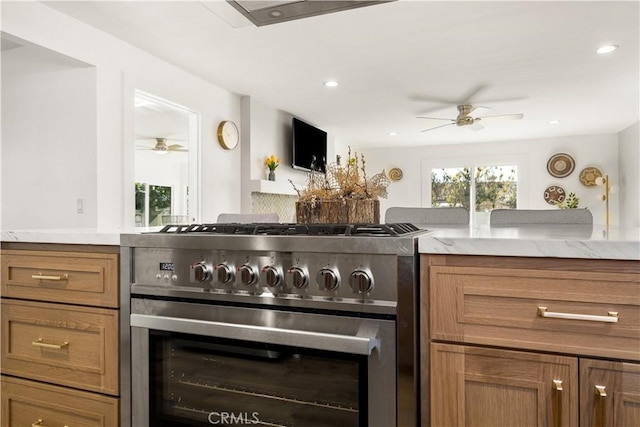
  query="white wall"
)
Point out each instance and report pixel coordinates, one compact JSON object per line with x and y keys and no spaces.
{"x":49,"y":124}
{"x":630,"y":176}
{"x":600,"y":151}
{"x":121,"y":68}
{"x":265,"y":131}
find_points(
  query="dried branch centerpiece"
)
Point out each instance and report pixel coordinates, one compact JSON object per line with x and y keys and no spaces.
{"x":341,"y":195}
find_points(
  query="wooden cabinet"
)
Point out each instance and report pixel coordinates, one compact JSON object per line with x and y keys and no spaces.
{"x":523,"y":341}
{"x":83,"y":278}
{"x":610,"y":393}
{"x":489,"y":387}
{"x":60,"y":336}
{"x":31,"y":403}
{"x":61,"y":344}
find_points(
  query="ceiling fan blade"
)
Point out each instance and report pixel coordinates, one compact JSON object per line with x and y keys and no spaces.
{"x":155,"y":138}
{"x":441,"y":126}
{"x":501,"y":117}
{"x":480,"y":110}
{"x":422,"y":98}
{"x":466,"y":99}
{"x":472,"y":94}
{"x":435,"y":118}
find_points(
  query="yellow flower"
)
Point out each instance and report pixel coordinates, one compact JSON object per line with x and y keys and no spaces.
{"x":272,"y":162}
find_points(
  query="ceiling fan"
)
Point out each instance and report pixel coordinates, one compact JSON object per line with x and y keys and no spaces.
{"x":161,"y":147}
{"x":466,"y":119}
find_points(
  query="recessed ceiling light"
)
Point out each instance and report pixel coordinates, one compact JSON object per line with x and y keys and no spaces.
{"x":331,"y":83}
{"x":554,"y":122}
{"x":393,"y":133}
{"x":606,"y":49}
{"x":276,"y":13}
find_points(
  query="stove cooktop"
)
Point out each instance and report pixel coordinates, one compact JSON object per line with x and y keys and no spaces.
{"x":397,"y":229}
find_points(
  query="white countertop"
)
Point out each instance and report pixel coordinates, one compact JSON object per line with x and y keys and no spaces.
{"x":535,"y":241}
{"x":65,"y":236}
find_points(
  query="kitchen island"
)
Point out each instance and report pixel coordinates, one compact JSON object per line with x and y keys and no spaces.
{"x":530,"y":326}
{"x":65,"y":323}
{"x":521,"y":323}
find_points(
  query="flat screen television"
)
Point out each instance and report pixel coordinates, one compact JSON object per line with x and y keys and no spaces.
{"x":309,"y":146}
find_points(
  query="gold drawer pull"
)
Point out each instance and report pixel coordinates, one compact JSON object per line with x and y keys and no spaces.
{"x":557,"y":388}
{"x":59,"y":278}
{"x":39,"y":343}
{"x":611,"y":317}
{"x":39,"y":424}
{"x":600,"y":417}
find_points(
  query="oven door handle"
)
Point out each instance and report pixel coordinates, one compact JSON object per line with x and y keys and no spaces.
{"x":315,"y":340}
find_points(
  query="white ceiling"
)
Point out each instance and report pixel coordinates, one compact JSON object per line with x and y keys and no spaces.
{"x":402,"y":59}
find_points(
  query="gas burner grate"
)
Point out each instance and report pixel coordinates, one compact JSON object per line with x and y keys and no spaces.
{"x":396,"y":229}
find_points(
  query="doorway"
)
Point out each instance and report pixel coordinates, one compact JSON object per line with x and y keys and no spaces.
{"x":166,"y":162}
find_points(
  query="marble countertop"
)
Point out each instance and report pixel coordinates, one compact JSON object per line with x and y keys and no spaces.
{"x":535,"y":241}
{"x":78,"y":236}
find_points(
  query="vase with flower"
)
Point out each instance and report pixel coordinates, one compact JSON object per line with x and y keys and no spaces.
{"x":272,"y":162}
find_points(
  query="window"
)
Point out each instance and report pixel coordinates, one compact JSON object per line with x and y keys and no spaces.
{"x":153,"y":204}
{"x":485,"y":188}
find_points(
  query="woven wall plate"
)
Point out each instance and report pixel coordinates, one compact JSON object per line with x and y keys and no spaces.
{"x":589,"y":175}
{"x":560,"y":165}
{"x":554,"y":194}
{"x":395,"y":174}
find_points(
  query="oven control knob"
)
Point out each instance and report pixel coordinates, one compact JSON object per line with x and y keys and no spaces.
{"x":327,"y":279}
{"x":247,"y":274}
{"x":298,"y":277}
{"x":272,"y":276}
{"x":361,"y":281}
{"x":200,"y":271}
{"x":225,"y":273}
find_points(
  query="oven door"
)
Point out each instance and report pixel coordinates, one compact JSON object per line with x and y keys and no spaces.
{"x":202,"y":364}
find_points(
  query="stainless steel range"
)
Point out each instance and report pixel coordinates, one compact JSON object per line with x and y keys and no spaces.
{"x":274,"y":324}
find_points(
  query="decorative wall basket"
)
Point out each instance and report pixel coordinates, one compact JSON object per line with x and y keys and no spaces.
{"x":346,"y":211}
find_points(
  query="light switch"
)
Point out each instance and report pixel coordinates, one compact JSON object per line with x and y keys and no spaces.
{"x":80,"y":206}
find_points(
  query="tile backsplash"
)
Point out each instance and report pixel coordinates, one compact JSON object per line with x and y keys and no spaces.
{"x":284,"y":205}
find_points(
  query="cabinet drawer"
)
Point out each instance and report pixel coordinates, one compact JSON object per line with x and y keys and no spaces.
{"x":559,"y":311}
{"x":68,"y":277}
{"x":61,"y":344}
{"x":27,"y":403}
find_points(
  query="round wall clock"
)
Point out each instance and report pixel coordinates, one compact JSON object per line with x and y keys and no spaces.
{"x":228,"y":135}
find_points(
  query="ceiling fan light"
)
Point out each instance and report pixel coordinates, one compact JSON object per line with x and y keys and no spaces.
{"x":606,"y":49}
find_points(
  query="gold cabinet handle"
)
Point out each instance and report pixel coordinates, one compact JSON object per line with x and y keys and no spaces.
{"x":59,"y":278}
{"x":611,"y":317}
{"x":40,"y":343}
{"x":600,"y":416}
{"x":557,"y":410}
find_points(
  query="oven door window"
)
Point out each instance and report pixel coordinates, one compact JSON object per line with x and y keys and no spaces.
{"x":199,"y":381}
